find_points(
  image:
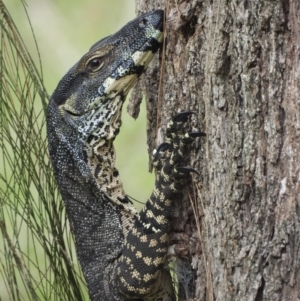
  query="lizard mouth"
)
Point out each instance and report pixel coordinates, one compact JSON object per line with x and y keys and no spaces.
{"x":144,"y":38}
{"x":70,"y":112}
{"x":126,"y":74}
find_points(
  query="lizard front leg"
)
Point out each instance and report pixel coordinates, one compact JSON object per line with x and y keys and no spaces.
{"x":141,"y":269}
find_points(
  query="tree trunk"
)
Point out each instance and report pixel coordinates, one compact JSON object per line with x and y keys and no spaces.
{"x":235,"y":63}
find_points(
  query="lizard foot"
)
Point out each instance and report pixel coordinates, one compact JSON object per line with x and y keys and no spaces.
{"x":178,"y":142}
{"x":141,"y":266}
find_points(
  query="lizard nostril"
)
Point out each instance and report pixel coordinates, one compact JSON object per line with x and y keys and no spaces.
{"x":143,"y":23}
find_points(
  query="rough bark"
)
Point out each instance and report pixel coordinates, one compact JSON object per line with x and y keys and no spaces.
{"x":235,"y":63}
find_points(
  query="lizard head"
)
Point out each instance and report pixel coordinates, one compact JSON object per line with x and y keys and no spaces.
{"x":90,"y":96}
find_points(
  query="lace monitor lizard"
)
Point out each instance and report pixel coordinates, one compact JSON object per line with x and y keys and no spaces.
{"x":122,"y":252}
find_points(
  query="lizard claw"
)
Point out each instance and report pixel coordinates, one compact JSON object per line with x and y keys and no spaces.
{"x":182,"y":116}
{"x":157,"y":156}
{"x":190,"y":137}
{"x":180,"y":171}
{"x":161,"y":148}
{"x":196,"y":134}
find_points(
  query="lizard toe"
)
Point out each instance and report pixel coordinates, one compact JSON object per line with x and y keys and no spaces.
{"x":182,"y":116}
{"x":158,"y":154}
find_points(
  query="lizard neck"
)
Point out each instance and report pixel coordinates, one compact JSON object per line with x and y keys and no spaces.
{"x":95,"y":221}
{"x":101,"y":158}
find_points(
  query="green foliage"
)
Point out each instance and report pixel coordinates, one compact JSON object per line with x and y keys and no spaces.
{"x":36,"y":247}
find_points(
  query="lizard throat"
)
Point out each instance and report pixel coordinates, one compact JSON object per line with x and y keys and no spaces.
{"x":101,"y":157}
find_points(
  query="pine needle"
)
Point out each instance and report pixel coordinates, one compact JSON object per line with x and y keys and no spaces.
{"x":37,"y":257}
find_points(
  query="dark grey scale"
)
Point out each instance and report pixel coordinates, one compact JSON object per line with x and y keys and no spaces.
{"x":91,"y":138}
{"x":99,"y":123}
{"x":138,"y":70}
{"x":145,"y":260}
{"x":116,"y":132}
{"x":127,"y":66}
{"x":97,"y":117}
{"x":143,"y":219}
{"x":99,"y":157}
{"x":70,"y":81}
{"x":125,"y":200}
{"x":166,"y":209}
{"x":106,"y":116}
{"x":97,"y":170}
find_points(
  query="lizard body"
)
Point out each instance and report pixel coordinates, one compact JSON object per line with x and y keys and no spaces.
{"x":122,"y":253}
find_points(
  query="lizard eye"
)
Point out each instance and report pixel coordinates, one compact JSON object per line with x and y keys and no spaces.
{"x":95,"y":64}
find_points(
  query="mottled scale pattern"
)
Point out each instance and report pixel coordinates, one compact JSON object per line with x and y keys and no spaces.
{"x":122,"y":252}
{"x":143,"y":260}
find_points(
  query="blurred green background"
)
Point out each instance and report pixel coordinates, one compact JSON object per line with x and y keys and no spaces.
{"x":64,"y":31}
